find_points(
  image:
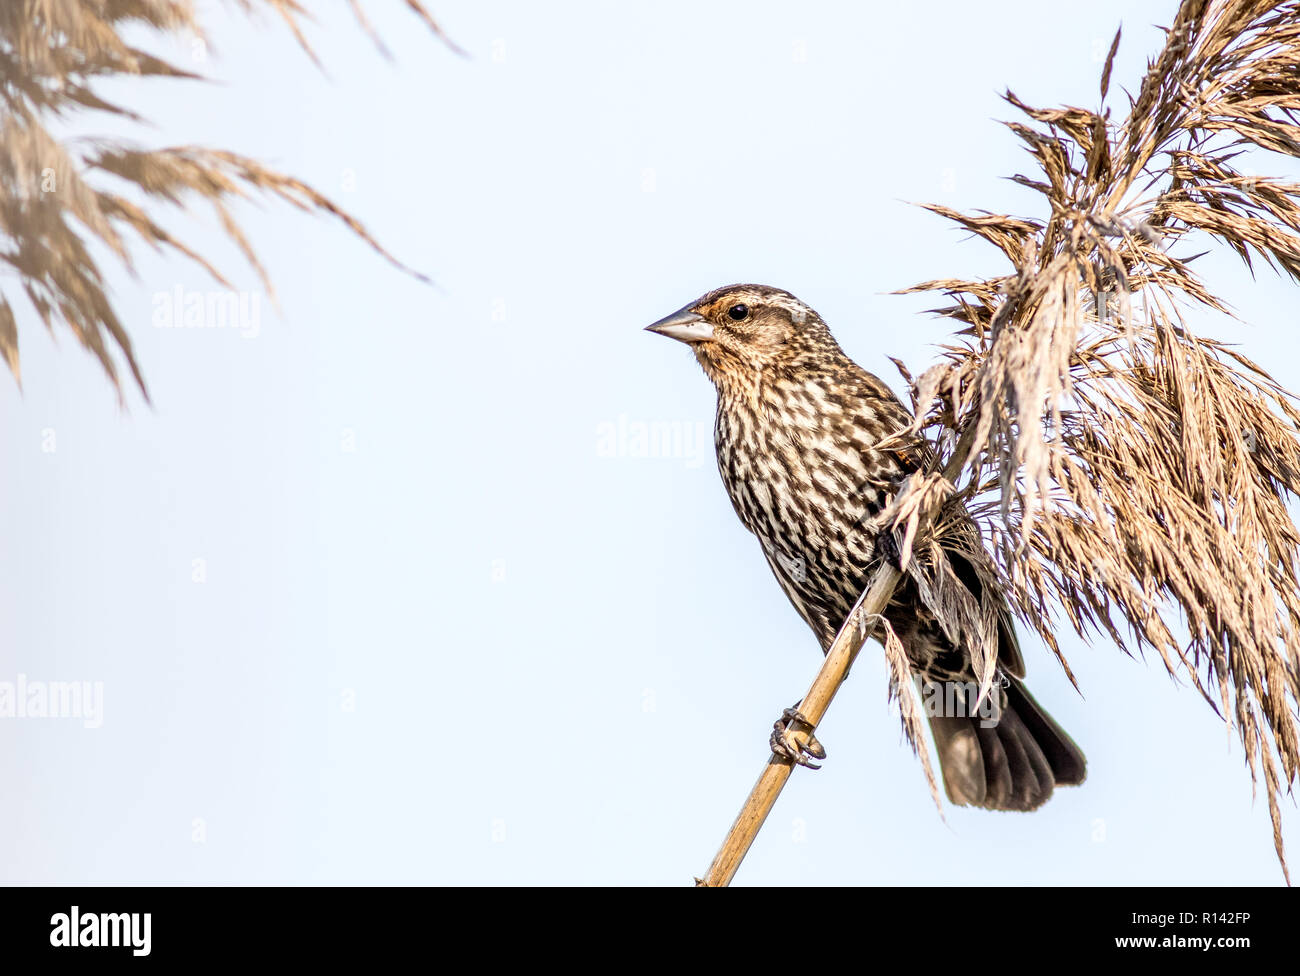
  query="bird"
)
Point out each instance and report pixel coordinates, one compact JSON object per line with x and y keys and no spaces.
{"x":807,"y":449}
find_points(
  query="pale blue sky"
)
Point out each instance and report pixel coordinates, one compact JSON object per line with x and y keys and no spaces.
{"x":445,"y":637}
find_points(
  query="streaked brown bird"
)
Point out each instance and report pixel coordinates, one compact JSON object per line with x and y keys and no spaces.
{"x":805,"y":449}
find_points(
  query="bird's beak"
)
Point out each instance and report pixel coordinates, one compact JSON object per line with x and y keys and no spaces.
{"x":684,"y":326}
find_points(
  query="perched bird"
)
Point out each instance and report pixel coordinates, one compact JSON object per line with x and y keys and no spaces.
{"x":803,"y":437}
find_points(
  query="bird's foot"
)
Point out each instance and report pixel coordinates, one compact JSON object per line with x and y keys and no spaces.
{"x":887,"y":548}
{"x":786,"y":746}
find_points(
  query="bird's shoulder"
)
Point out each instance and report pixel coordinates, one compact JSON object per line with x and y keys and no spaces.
{"x":879,"y":412}
{"x":868,"y":385}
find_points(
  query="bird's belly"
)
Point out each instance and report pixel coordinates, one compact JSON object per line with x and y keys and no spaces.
{"x":808,"y":509}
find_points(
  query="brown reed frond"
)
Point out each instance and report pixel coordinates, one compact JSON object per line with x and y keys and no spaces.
{"x":53,"y":205}
{"x":1134,"y":477}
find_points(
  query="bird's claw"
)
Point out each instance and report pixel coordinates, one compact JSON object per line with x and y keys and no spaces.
{"x":786,"y":746}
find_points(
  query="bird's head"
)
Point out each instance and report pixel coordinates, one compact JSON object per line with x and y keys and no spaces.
{"x":739,"y":330}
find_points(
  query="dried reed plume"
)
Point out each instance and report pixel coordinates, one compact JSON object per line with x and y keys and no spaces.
{"x":1133,"y":477}
{"x":53,"y":200}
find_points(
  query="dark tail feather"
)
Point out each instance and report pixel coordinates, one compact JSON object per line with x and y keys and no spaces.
{"x":1014,"y":765}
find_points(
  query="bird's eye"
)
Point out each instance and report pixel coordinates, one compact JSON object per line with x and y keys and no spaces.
{"x":738,"y":312}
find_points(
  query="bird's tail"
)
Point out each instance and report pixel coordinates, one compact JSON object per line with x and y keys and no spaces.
{"x":1011,"y":764}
